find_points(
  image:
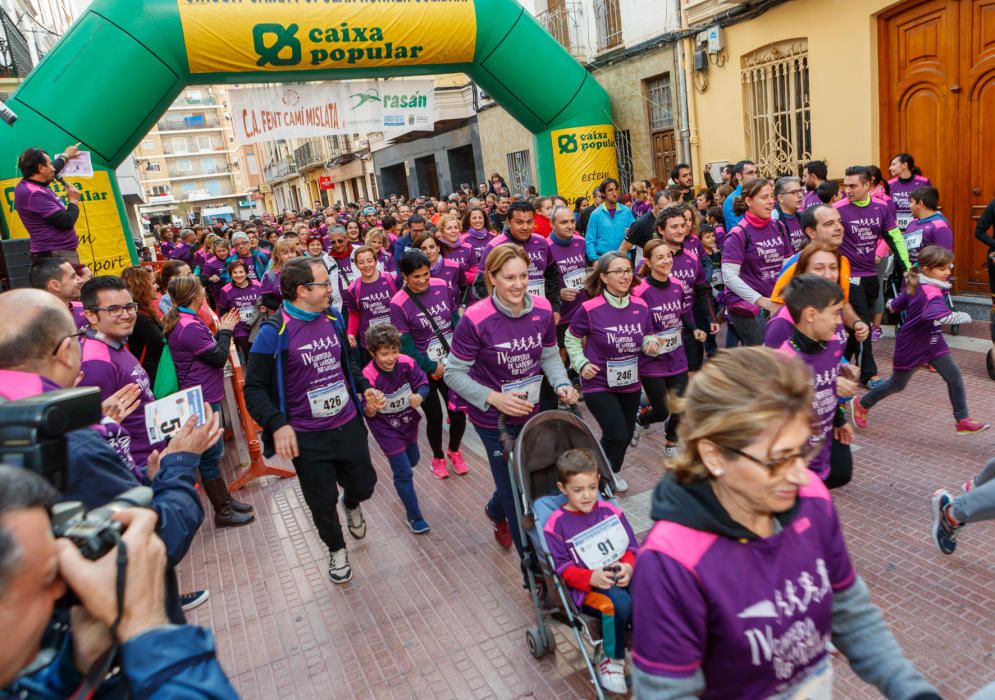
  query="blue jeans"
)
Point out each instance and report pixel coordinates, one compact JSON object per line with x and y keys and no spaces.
{"x":614,"y":607}
{"x":401,"y":465}
{"x":211,"y":457}
{"x":502,"y":503}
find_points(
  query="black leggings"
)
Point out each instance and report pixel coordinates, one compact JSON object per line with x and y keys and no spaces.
{"x":862,"y":298}
{"x":840,"y":465}
{"x":433,"y":419}
{"x":656,"y":389}
{"x":991,"y":288}
{"x":616,"y":414}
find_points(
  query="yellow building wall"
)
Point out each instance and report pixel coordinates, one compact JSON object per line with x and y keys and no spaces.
{"x":842,"y":59}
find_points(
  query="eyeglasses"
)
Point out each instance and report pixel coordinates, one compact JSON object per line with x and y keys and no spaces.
{"x":77,"y":334}
{"x":624,"y":271}
{"x":793,"y":192}
{"x":336,"y":241}
{"x":116,"y":311}
{"x":327,"y":284}
{"x":805,"y":454}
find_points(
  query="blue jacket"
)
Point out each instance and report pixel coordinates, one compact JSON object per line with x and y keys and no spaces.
{"x":168,"y":663}
{"x":259,"y":261}
{"x":605,"y":232}
{"x":731,"y":219}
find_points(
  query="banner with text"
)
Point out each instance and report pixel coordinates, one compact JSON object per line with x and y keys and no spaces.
{"x":354,"y":107}
{"x":583,"y":157}
{"x":102,"y":243}
{"x":280,"y":35}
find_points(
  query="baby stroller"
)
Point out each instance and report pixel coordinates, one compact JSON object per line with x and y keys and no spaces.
{"x":531,"y":462}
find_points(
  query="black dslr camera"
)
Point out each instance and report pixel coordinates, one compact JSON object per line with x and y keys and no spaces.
{"x":32,"y":436}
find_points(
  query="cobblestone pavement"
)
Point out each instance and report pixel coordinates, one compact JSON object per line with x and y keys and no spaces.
{"x":444,"y":615}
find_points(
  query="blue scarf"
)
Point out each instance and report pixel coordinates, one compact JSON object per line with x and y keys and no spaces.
{"x":556,"y":239}
{"x":299,"y":314}
{"x":186,"y":310}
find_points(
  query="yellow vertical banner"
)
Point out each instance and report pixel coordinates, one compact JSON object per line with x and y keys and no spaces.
{"x":102,"y":242}
{"x":582,"y":158}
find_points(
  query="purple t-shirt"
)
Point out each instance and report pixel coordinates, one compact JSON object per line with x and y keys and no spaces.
{"x":188,"y":339}
{"x":315,"y":385}
{"x":539,"y":259}
{"x":932,"y":230}
{"x":900,"y":191}
{"x":614,"y":342}
{"x":396,"y":426}
{"x":505,"y":353}
{"x":34,"y":202}
{"x":571,"y":260}
{"x":408,"y":318}
{"x":183,"y":252}
{"x":564,"y":525}
{"x":863,"y":227}
{"x":250,"y":265}
{"x":370,"y":301}
{"x":461,"y":253}
{"x":669,"y":311}
{"x":825,"y":368}
{"x":271,"y":283}
{"x":920,"y":339}
{"x":795,"y":234}
{"x":811,"y":199}
{"x":689,"y":270}
{"x":476,"y":240}
{"x":779,"y":328}
{"x":109,"y":368}
{"x":385,"y":262}
{"x":79,"y":317}
{"x":759,"y":247}
{"x":454,"y":275}
{"x":753,"y":616}
{"x":246,"y":300}
{"x":212,"y":266}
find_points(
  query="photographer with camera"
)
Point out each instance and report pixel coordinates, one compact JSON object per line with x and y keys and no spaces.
{"x":50,"y":225}
{"x":156,"y":658}
{"x":39,"y":352}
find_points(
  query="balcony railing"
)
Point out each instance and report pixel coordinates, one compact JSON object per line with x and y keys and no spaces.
{"x":608,"y":22}
{"x":15,"y":56}
{"x":194,"y":121}
{"x":564,"y":23}
{"x":194,"y":102}
{"x":308,"y":155}
{"x":278,"y":169}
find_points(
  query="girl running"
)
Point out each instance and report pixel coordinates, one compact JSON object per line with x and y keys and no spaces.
{"x":284,"y":250}
{"x":605,"y":341}
{"x":664,"y":367}
{"x":920,"y":339}
{"x":367,"y":300}
{"x":241,"y":295}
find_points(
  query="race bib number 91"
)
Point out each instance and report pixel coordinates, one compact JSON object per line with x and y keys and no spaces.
{"x":602,"y":544}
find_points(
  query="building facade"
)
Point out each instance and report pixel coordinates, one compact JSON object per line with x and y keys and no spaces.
{"x":851,"y":82}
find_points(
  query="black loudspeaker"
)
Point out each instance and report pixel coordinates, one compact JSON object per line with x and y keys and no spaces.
{"x":15,"y":263}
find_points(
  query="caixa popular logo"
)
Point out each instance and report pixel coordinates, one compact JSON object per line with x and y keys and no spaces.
{"x":567,"y":143}
{"x":279,"y":45}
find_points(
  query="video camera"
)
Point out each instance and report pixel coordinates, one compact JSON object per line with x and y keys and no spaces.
{"x":32,"y":436}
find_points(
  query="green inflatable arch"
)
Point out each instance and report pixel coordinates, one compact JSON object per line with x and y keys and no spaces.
{"x":122,"y":64}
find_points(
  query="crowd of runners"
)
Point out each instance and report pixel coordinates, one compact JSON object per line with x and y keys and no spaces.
{"x":370,"y":319}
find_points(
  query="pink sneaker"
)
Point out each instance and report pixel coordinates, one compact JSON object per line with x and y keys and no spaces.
{"x":966,"y":426}
{"x":858,"y":413}
{"x":459,"y":466}
{"x":439,"y":469}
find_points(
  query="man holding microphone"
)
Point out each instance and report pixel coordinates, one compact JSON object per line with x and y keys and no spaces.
{"x":50,"y":225}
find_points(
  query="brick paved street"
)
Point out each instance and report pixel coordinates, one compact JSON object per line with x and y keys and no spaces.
{"x":444,"y":615}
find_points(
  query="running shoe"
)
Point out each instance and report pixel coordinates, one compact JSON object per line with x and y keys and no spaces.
{"x":621,"y":485}
{"x":874,"y":382}
{"x":459,"y":466}
{"x":876,"y":334}
{"x":189,"y":601}
{"x":611,"y":676}
{"x":966,"y":426}
{"x":355,"y":522}
{"x":419,"y":526}
{"x":858,"y":413}
{"x":637,"y":432}
{"x":670,"y":451}
{"x":439,"y":469}
{"x":339,"y":570}
{"x":944,"y":529}
{"x":502,"y":533}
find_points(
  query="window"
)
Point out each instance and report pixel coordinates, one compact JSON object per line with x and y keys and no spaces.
{"x":204,"y":143}
{"x":519,"y":172}
{"x":209,"y":166}
{"x":623,"y":149}
{"x":184,"y":165}
{"x":179,"y":145}
{"x":148,"y":145}
{"x":251,"y":164}
{"x":214,"y":187}
{"x":608,"y":23}
{"x":658,"y":94}
{"x":160,"y":190}
{"x":778,"y":118}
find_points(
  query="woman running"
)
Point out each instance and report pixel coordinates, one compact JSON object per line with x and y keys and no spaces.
{"x":423,"y":312}
{"x":242,"y":296}
{"x":906,"y":178}
{"x":449,"y":271}
{"x":376,"y":240}
{"x":453,"y":247}
{"x":605,"y":342}
{"x":367,"y":300}
{"x":752,"y":254}
{"x":745,"y":576}
{"x":663,"y":369}
{"x":819,"y":259}
{"x":501,"y":349}
{"x":214,"y":271}
{"x":920,"y":339}
{"x":200,"y":359}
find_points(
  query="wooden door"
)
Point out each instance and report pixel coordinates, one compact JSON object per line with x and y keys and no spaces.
{"x":664,"y":154}
{"x":977,"y":94}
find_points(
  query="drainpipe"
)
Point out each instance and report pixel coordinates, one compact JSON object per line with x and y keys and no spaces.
{"x":682,"y":88}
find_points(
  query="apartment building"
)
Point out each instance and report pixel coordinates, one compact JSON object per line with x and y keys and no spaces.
{"x":189,"y":163}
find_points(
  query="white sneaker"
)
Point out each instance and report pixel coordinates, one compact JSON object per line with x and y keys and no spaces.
{"x":621,"y":485}
{"x":611,"y":675}
{"x":355,"y":522}
{"x":670,"y":451}
{"x":338,"y":568}
{"x":636,"y":434}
